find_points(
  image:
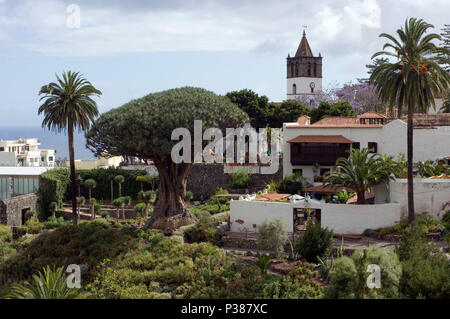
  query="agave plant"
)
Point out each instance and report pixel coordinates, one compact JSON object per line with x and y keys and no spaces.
{"x":47,"y":284}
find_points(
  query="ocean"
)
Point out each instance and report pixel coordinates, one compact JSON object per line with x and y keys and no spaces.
{"x":50,"y":140}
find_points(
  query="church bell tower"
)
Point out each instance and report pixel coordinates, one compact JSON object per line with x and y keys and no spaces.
{"x":304,"y":74}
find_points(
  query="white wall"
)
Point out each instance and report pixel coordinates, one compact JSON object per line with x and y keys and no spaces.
{"x":429,"y":144}
{"x":341,"y":218}
{"x":361,"y":135}
{"x":302,"y":86}
{"x":8,"y":159}
{"x":255,"y":212}
{"x":354,"y":219}
{"x":430,"y":195}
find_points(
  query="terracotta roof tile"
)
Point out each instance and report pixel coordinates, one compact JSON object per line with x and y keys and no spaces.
{"x":272,"y":196}
{"x":320,"y":139}
{"x":371,"y":115}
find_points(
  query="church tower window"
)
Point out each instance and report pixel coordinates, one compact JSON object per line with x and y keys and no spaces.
{"x":294,"y":89}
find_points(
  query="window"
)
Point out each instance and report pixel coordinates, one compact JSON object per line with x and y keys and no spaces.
{"x":294,"y":89}
{"x":323,"y":171}
{"x":373,"y":147}
{"x":356,"y":145}
{"x":2,"y":149}
{"x":50,"y":158}
{"x":42,"y":159}
{"x":297,"y":171}
{"x":312,"y":90}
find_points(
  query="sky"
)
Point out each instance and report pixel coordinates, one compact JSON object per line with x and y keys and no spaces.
{"x":128,"y":49}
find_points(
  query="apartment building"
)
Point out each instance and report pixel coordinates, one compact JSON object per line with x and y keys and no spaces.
{"x":25,"y":152}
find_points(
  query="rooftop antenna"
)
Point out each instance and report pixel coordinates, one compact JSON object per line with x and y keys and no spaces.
{"x":304,"y":28}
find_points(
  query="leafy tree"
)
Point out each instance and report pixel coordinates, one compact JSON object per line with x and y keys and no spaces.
{"x":360,"y":172}
{"x":92,"y":205}
{"x":287,"y":111}
{"x":90,"y":184}
{"x":147,"y":197}
{"x":316,"y":243}
{"x":251,"y":103}
{"x":80,"y":202}
{"x":143,"y":128}
{"x":144,"y":179}
{"x":47,"y":284}
{"x":119,"y":179}
{"x":272,"y":235}
{"x":67,"y":105}
{"x":331,"y":109}
{"x":412,"y":80}
{"x":362,"y":97}
{"x":445,"y":43}
{"x":118,"y":204}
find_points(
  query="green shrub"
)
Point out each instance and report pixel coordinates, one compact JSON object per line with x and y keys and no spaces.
{"x":53,"y":186}
{"x":240,"y":179}
{"x":271,"y":235}
{"x":348,"y":276}
{"x":291,"y":184}
{"x":55,"y":222}
{"x":204,"y":231}
{"x":104,"y":214}
{"x":5,"y":233}
{"x":315,"y":242}
{"x":189,"y":195}
{"x":140,"y":209}
{"x":300,"y":283}
{"x":47,"y":284}
{"x":426,"y":271}
{"x":220,"y":217}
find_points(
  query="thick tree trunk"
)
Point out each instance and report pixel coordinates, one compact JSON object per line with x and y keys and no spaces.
{"x":73,"y":181}
{"x":112,"y":190}
{"x":410,"y":127}
{"x":171,"y":194}
{"x":120,"y":189}
{"x":360,"y":198}
{"x":92,"y":212}
{"x":90,"y":192}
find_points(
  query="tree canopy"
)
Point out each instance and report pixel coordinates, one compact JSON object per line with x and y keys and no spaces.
{"x":143,"y":128}
{"x":342,"y":108}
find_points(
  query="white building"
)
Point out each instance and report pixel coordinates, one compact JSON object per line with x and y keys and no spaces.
{"x":26,"y":153}
{"x":304,"y":74}
{"x":313,"y":149}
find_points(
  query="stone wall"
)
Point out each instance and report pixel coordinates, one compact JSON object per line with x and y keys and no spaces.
{"x":11,"y":209}
{"x":207,"y":177}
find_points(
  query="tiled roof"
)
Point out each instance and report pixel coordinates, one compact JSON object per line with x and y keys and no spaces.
{"x":320,"y":139}
{"x":371,"y":115}
{"x":336,"y":121}
{"x":272,"y":196}
{"x":321,"y":189}
{"x":304,"y":48}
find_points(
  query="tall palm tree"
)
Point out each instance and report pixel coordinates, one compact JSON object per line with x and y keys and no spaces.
{"x":446,"y":104}
{"x":68,"y":104}
{"x":360,"y":172}
{"x":412,"y":79}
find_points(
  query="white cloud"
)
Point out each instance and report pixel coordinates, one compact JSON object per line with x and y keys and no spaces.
{"x":334,"y":27}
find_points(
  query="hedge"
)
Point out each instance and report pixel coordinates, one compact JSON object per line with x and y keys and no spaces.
{"x":53,"y":186}
{"x":103,"y":190}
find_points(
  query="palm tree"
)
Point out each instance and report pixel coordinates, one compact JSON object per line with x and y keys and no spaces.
{"x":48,"y":284}
{"x":119,"y":179}
{"x":360,"y":172}
{"x":68,"y":105}
{"x":446,"y":104}
{"x":411,"y":80}
{"x":90,"y":184}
